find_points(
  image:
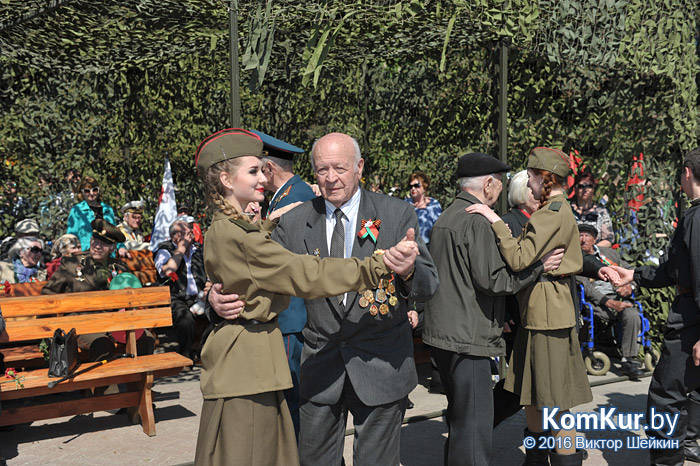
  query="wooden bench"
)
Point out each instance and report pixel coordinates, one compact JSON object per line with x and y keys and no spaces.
{"x":20,"y":355}
{"x":141,"y":264}
{"x":145,"y":308}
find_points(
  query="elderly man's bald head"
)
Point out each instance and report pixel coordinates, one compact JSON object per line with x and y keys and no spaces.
{"x":338,"y":164}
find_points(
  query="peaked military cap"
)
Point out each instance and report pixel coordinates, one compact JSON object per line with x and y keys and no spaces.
{"x":278,"y":148}
{"x":105,"y":231}
{"x":133,"y":206}
{"x":552,"y":160}
{"x":478,"y":164}
{"x":588,"y":228}
{"x":226,"y":144}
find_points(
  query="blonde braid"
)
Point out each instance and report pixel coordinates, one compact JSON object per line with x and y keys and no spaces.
{"x":215,"y":190}
{"x":549,"y":179}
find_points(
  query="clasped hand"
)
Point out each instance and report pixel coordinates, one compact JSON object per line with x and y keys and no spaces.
{"x":402,"y":257}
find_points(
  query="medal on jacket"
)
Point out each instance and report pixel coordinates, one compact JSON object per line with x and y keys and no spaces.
{"x":79,"y":272}
{"x":381,"y":298}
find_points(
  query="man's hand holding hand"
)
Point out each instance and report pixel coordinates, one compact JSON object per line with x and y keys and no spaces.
{"x":402,"y":257}
{"x":227,"y":306}
{"x":552,"y":260}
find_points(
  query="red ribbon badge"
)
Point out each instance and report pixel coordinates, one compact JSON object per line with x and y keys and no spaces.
{"x":370,"y":228}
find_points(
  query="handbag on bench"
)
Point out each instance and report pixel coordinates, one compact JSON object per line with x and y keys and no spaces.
{"x":63,"y":353}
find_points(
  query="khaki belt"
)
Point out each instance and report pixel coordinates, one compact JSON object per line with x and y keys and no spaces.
{"x":683,"y":290}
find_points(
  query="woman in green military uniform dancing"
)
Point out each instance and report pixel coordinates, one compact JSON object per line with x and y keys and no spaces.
{"x":546,"y":368}
{"x":245,"y":420}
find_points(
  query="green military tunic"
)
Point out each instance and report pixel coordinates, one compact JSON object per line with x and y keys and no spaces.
{"x":546,"y":366}
{"x":245,"y":365}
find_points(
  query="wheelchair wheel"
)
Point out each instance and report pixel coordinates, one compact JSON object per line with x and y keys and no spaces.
{"x":597,"y":363}
{"x":651,"y":359}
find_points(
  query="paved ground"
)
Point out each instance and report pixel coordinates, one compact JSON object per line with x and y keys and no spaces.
{"x":105,"y":439}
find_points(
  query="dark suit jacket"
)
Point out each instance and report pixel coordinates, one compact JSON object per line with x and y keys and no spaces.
{"x":375,"y":352}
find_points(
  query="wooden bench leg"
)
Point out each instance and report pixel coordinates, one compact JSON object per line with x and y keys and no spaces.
{"x":145,"y":407}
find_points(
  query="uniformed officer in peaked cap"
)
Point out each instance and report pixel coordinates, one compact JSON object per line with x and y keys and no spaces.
{"x":287,"y":188}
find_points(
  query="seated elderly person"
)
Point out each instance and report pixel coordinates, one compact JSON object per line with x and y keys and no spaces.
{"x":25,"y":262}
{"x":23,"y":229}
{"x":180,"y":264}
{"x":132,"y":213}
{"x":93,"y":271}
{"x":65,"y":246}
{"x":612,"y":304}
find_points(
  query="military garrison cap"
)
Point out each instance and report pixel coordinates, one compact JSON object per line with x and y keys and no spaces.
{"x":277,"y":148}
{"x":552,"y":160}
{"x":478,"y":164}
{"x":105,"y":231}
{"x":226,"y":144}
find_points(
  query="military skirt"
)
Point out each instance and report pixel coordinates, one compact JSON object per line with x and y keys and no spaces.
{"x":252,"y":430}
{"x":546,"y":369}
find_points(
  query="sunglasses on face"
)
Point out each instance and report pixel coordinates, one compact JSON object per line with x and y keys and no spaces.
{"x":415,"y":185}
{"x":585,"y":186}
{"x":35,"y":249}
{"x":94,"y":190}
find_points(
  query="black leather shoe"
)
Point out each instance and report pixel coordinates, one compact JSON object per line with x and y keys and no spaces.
{"x":409,"y":404}
{"x":632,"y":370}
{"x":691,"y":450}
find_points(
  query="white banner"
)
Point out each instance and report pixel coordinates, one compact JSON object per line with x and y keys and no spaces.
{"x":167,"y":209}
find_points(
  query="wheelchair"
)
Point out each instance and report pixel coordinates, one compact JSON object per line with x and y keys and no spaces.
{"x":598,"y":362}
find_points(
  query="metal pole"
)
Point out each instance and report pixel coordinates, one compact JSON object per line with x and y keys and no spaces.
{"x":503,"y":117}
{"x":235,"y":71}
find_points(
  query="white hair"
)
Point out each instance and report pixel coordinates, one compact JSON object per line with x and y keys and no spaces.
{"x":22,"y":244}
{"x":472,"y":183}
{"x":518,"y":190}
{"x":356,"y":152}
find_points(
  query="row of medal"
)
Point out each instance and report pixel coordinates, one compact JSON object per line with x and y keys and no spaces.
{"x":377,"y":299}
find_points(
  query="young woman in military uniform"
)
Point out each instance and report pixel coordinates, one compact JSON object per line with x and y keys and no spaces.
{"x":245,"y":419}
{"x":538,"y":371}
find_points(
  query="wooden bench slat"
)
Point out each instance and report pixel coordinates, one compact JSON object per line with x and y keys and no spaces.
{"x":86,"y":301}
{"x":127,"y":369}
{"x":39,"y":412}
{"x":88,"y":323}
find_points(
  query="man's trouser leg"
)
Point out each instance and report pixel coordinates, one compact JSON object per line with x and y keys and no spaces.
{"x":183,"y":323}
{"x":631,"y":326}
{"x":673,"y":378}
{"x":377,"y":431}
{"x":467,"y":382}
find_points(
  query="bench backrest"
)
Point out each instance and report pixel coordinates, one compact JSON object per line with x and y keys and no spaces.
{"x":24,"y":289}
{"x":144,"y":308}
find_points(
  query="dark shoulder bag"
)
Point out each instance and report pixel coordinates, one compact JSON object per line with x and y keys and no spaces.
{"x":63,"y":353}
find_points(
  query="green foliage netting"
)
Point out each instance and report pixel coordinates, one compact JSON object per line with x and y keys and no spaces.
{"x":118,"y":126}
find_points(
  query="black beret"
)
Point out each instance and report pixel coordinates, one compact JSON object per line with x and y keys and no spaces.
{"x":588,"y":228}
{"x":478,"y":164}
{"x":105,"y":231}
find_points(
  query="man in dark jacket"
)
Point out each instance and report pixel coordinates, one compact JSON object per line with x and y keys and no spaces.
{"x":180,"y":264}
{"x":464,"y":319}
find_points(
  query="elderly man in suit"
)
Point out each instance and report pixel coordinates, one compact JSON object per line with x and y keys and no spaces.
{"x":358,"y":350}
